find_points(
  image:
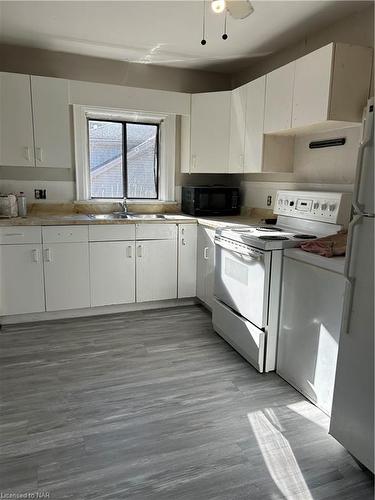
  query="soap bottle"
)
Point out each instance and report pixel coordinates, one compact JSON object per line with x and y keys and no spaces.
{"x":21,"y":201}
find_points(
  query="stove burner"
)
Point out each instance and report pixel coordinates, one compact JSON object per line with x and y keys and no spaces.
{"x":304,"y":236}
{"x":270,"y":237}
{"x":271,"y":229}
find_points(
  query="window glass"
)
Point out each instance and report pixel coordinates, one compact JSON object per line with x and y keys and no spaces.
{"x":113,"y":175}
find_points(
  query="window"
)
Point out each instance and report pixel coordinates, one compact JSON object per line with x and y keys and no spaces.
{"x":123,"y":159}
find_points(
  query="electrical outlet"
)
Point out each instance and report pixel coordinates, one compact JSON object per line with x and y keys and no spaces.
{"x":40,"y":194}
{"x":269,"y":200}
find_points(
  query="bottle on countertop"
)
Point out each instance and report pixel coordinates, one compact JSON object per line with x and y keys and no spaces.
{"x":22,"y":206}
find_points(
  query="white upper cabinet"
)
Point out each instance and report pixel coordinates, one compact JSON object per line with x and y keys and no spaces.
{"x":210,"y":130}
{"x":279,"y":99}
{"x":52,"y":131}
{"x":16,"y":124}
{"x":255,"y":98}
{"x":331,"y":84}
{"x":237,"y":130}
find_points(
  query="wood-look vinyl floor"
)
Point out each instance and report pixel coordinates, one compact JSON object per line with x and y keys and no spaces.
{"x":155,"y":405}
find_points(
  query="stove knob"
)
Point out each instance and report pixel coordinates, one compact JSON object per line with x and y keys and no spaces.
{"x":280,"y":201}
{"x":332,"y":207}
{"x":324,"y":206}
{"x":316,"y":205}
{"x":286,"y":202}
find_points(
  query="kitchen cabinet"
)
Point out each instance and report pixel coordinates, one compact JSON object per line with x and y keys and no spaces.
{"x":51,"y":115}
{"x":187,"y":260}
{"x":205,"y":264}
{"x":16,"y":123}
{"x":66,"y":267}
{"x":237,"y":130}
{"x":21,"y":284}
{"x":112,"y":272}
{"x":253,"y":141}
{"x":210,"y":130}
{"x":279,"y":99}
{"x":331,"y":84}
{"x":156,"y":269}
{"x":34,"y":121}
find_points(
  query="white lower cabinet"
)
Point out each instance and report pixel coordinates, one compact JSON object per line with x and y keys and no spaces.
{"x":66,"y":275}
{"x":205,"y":265}
{"x":112,"y":272}
{"x":187,"y":260}
{"x":156,"y":270}
{"x":21,"y":279}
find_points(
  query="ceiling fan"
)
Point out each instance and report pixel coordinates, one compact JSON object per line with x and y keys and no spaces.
{"x":238,"y":9}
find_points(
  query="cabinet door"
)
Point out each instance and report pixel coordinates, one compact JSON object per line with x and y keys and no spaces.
{"x":66,"y":275}
{"x":16,"y":125}
{"x":21,"y":279}
{"x":52,"y":131}
{"x":210,"y":124}
{"x":205,"y":265}
{"x":312,"y":86}
{"x":112,"y":272}
{"x":187,"y":260}
{"x":156,"y":270}
{"x":279,"y":99}
{"x":237,"y":130}
{"x":256,"y":94}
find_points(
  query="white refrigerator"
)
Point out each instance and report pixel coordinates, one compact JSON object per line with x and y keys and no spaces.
{"x":352,"y":420}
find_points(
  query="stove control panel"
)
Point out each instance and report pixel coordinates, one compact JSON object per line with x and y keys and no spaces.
{"x":314,"y":205}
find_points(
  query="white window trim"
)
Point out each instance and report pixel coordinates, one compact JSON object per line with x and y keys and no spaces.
{"x":167,"y":158}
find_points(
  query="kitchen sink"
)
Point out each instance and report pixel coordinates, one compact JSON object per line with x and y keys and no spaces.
{"x":128,"y":215}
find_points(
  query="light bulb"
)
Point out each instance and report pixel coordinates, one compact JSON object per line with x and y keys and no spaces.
{"x":218,"y":6}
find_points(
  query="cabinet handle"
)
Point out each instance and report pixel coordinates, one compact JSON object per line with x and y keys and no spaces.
{"x":26,"y":152}
{"x":13,"y":234}
{"x":39,"y":154}
{"x":139,"y":250}
{"x":129,"y":251}
{"x":183,"y":242}
{"x":205,"y":253}
{"x":48,"y":255}
{"x":182,"y":230}
{"x":35,"y":255}
{"x":194,"y":161}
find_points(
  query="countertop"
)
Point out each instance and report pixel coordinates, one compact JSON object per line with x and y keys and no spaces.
{"x":84,"y":219}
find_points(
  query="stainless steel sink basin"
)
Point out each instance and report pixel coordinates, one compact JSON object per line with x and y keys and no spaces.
{"x":128,"y":215}
{"x":146,"y":216}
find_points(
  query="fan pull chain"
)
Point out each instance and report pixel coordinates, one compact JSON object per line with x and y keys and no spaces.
{"x":224,"y":36}
{"x":203,"y":41}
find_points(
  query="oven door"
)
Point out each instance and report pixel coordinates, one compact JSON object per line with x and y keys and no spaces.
{"x":242,"y":277}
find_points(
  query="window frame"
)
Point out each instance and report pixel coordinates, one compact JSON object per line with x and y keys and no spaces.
{"x":124,"y":158}
{"x":166,"y":154}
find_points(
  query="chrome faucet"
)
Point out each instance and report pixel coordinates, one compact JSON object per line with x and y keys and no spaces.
{"x":124,"y":205}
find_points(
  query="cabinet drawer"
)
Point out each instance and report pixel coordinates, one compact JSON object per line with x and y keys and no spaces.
{"x":20,"y":234}
{"x":65,"y":234}
{"x":154,"y":231}
{"x":112,"y":232}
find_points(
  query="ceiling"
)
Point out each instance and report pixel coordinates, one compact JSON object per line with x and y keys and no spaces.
{"x":167,"y":33}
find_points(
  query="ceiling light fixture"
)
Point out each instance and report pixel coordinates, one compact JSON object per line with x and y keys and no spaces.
{"x":218,"y":6}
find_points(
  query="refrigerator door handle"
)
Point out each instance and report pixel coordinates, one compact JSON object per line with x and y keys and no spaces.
{"x":349,"y":285}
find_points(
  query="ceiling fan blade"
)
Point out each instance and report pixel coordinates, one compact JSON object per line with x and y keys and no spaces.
{"x":239,"y":9}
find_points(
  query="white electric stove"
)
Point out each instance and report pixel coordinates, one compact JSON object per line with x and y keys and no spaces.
{"x":248,"y":266}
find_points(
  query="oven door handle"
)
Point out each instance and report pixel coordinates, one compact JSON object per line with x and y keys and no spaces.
{"x":247,"y":254}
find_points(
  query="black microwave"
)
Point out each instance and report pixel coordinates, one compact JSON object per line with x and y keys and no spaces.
{"x":210,"y":200}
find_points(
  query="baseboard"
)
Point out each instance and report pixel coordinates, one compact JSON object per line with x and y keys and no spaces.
{"x":95,"y":311}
